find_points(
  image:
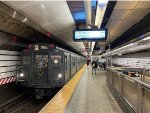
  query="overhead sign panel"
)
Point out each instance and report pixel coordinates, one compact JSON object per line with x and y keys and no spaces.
{"x":90,"y":34}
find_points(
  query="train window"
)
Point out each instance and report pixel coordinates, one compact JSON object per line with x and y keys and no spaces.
{"x":40,"y":65}
{"x":73,"y":61}
{"x":65,"y":63}
{"x":73,"y":64}
{"x":41,"y":61}
{"x":56,"y":59}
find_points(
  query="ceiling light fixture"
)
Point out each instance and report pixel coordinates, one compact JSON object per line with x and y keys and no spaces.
{"x":116,"y":51}
{"x":101,"y":7}
{"x":127,"y":46}
{"x":24,"y":20}
{"x":14,"y":14}
{"x":102,"y":3}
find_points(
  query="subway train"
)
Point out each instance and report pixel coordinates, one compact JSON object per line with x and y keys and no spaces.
{"x":46,"y":67}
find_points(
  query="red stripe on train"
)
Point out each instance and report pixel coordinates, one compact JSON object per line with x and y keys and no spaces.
{"x":14,"y":78}
{"x":1,"y":81}
{"x":7,"y":80}
{"x":11,"y":79}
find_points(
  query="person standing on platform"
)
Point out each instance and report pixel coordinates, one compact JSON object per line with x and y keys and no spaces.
{"x":94,"y":66}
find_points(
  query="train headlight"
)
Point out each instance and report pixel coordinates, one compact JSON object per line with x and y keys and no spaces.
{"x":59,"y":75}
{"x":55,"y":61}
{"x":21,"y":74}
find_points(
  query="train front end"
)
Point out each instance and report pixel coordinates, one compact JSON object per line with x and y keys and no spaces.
{"x":41,"y":70}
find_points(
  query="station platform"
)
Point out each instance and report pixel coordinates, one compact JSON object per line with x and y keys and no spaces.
{"x":89,"y":95}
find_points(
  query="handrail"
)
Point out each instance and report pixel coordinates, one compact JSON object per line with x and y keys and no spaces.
{"x":137,"y":81}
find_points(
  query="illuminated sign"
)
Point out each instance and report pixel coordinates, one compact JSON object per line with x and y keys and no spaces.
{"x":40,"y":47}
{"x":44,"y":47}
{"x":36,"y":48}
{"x":90,"y":34}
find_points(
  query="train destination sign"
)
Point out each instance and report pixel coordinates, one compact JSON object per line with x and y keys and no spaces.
{"x":90,"y":34}
{"x":40,"y":47}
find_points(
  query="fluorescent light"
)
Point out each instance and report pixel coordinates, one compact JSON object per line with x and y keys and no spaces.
{"x":14,"y":14}
{"x":127,"y":45}
{"x":117,"y":50}
{"x":102,"y":3}
{"x":24,"y":20}
{"x":130,"y":44}
{"x":92,"y":47}
{"x":88,"y":8}
{"x":101,"y":7}
{"x":147,"y":38}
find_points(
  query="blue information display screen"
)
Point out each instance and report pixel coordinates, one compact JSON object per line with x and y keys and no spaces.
{"x":90,"y":34}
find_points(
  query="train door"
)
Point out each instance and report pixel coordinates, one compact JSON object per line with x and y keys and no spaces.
{"x":70,"y":65}
{"x":56,"y":67}
{"x":67,"y":67}
{"x":40,"y":68}
{"x":73,"y":65}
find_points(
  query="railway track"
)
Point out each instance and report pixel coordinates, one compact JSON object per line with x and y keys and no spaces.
{"x":12,"y":102}
{"x":24,"y":103}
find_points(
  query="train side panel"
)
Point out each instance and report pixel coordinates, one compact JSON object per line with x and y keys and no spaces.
{"x":73,"y":65}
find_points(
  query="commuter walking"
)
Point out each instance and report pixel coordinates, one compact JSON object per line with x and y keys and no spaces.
{"x":94,"y":66}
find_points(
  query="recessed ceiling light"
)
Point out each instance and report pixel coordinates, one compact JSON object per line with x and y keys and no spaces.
{"x":14,"y":14}
{"x":24,"y":20}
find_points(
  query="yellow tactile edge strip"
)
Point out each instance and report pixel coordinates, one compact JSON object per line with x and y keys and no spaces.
{"x":58,"y":103}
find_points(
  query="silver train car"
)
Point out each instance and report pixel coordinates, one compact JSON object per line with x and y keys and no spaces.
{"x":45,"y":67}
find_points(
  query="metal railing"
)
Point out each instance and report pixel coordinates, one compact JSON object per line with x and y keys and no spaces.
{"x":135,"y":92}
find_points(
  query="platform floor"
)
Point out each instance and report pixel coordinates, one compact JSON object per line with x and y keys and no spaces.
{"x":92,"y":95}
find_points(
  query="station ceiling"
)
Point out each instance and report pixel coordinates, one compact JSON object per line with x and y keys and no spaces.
{"x":59,"y":18}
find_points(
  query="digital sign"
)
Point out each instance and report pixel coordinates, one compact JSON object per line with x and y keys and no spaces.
{"x":90,"y":34}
